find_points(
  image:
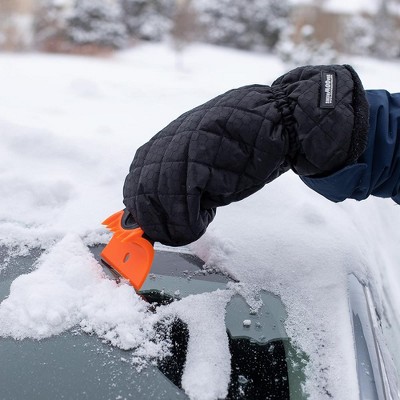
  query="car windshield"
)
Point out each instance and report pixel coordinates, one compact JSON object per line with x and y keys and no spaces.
{"x":77,"y":365}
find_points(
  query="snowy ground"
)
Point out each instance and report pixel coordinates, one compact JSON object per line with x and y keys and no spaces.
{"x":69,"y":127}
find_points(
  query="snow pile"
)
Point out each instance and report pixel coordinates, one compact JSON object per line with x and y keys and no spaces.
{"x":68,"y":289}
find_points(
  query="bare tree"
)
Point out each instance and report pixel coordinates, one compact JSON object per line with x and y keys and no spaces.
{"x":184,"y":29}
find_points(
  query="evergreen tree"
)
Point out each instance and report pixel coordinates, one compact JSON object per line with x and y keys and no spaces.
{"x":148,"y":19}
{"x":376,"y":35}
{"x":247,"y":24}
{"x":358,"y":34}
{"x":386,"y":32}
{"x":97,"y":22}
{"x":307,"y":51}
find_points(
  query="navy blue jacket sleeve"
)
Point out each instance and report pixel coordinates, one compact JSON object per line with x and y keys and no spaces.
{"x":377,"y":171}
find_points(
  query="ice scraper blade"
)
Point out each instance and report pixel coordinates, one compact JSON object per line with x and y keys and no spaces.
{"x":128,"y":252}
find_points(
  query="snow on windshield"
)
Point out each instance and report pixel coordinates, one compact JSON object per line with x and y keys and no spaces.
{"x":68,"y":289}
{"x":69,"y":130}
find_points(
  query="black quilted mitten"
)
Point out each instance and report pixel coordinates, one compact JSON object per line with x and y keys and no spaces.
{"x":313,"y":119}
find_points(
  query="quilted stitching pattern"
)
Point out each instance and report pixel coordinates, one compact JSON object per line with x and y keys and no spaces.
{"x":231,"y":146}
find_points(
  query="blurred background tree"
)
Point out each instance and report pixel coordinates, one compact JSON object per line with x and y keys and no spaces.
{"x":300,"y":31}
{"x":377,"y":34}
{"x":185,"y":27}
{"x":253,"y":24}
{"x":50,"y":25}
{"x":96,"y":22}
{"x":148,"y":19}
{"x":307,"y":50}
{"x":91,"y":25}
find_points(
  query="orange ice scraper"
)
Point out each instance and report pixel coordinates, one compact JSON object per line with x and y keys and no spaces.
{"x":128,"y":252}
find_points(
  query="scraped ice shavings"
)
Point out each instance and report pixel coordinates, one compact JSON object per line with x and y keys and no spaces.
{"x":68,"y":288}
